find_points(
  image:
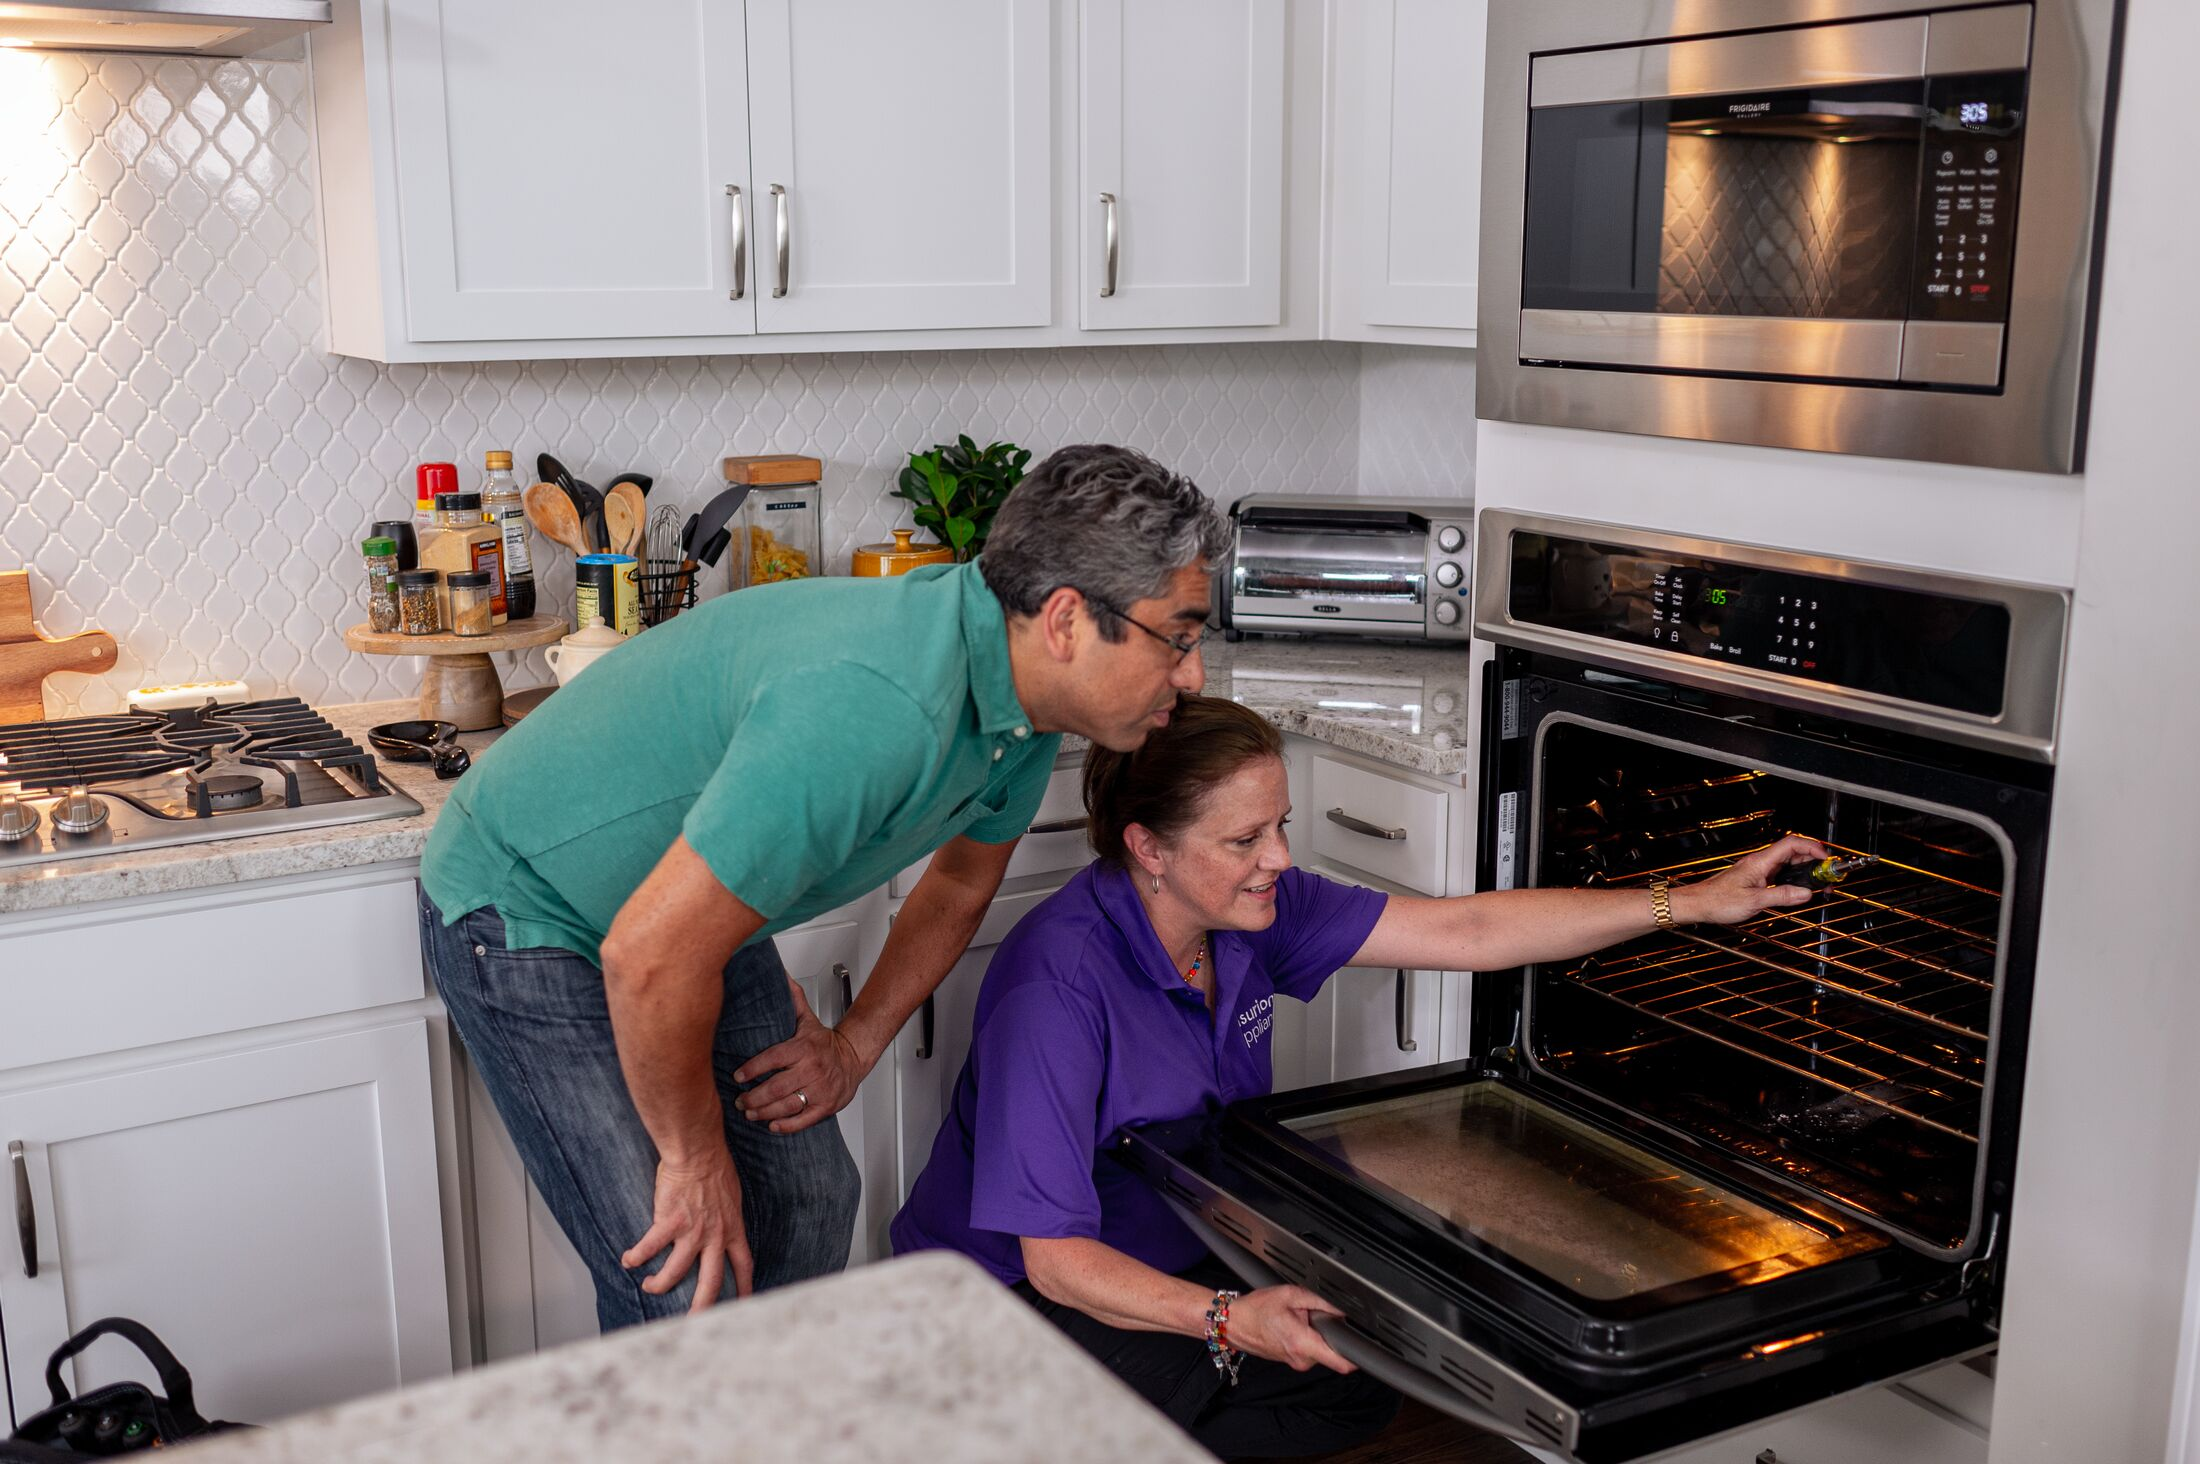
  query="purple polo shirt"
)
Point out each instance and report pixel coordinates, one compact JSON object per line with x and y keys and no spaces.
{"x":1084,"y":1025}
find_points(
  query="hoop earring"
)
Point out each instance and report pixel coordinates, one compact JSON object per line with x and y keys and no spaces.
{"x":1157,"y":884}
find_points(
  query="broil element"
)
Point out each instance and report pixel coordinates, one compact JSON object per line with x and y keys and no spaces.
{"x":1880,"y":989}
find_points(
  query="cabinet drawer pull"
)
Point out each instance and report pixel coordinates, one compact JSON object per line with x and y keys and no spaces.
{"x":780,"y":230}
{"x":1057,"y":826}
{"x":1403,"y":1016}
{"x":1107,"y":267}
{"x":26,"y":1214}
{"x":740,"y":230}
{"x":1345,"y":820}
{"x":924,"y":1030}
{"x":847,"y":987}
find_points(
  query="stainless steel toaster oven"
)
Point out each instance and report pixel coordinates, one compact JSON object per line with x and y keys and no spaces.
{"x":1394,"y":567}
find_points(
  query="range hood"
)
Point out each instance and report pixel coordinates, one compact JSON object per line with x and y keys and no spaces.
{"x":162,"y":27}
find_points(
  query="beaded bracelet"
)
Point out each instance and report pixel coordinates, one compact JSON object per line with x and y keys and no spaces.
{"x":1226,"y":1358}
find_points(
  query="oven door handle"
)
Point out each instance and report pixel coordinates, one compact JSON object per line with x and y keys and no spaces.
{"x":1358,"y":1349}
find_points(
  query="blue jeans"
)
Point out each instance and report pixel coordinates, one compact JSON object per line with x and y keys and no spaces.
{"x":538,"y":1029}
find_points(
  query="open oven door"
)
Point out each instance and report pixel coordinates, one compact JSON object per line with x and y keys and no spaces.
{"x":1702,"y":1178}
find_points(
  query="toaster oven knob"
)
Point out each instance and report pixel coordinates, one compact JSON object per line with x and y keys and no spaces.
{"x":1450,"y":539}
{"x":1449,"y":574}
{"x":1447,"y":612}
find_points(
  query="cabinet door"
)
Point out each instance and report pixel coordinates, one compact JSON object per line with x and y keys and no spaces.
{"x":1181,"y":190}
{"x":566,"y":173}
{"x":272,"y":1214}
{"x":903,"y":163}
{"x":1382,"y":1021}
{"x":930,"y":1051}
{"x":1408,"y":185}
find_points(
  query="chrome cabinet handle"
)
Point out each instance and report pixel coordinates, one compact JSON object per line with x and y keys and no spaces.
{"x":1107,"y":268}
{"x":779,"y":229}
{"x":1056,"y":826}
{"x":26,"y":1214}
{"x":924,"y":1030}
{"x":1345,"y":820}
{"x":1403,"y":1018}
{"x":740,"y":229}
{"x":847,"y":987}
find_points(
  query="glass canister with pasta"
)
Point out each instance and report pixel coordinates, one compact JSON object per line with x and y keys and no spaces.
{"x":781,"y":531}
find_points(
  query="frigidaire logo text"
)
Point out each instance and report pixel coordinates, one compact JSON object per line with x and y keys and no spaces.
{"x":1748,"y":109}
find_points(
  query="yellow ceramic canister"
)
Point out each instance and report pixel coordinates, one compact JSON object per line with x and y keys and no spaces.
{"x":877,"y":560}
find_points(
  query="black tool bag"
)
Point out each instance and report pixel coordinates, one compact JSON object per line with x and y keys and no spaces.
{"x":120,"y":1418}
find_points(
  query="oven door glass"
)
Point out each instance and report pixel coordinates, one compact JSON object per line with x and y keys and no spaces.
{"x":1565,"y":1200}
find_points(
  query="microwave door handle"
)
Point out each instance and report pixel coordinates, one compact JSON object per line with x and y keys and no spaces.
{"x":1355,"y":1348}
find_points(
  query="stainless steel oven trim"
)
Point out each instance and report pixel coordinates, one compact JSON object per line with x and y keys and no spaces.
{"x":2035,"y":423}
{"x":1414,"y":629}
{"x":1972,"y":1238}
{"x":1766,"y":60}
{"x":1760,"y":345}
{"x":2039,"y":623}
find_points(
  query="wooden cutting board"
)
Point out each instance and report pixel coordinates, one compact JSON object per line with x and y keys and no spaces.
{"x":28,"y":658}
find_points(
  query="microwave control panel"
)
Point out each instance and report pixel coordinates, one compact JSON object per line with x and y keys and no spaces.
{"x":1938,"y":650}
{"x":1974,"y":139}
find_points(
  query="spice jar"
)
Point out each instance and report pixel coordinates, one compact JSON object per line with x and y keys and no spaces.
{"x":473,"y":601}
{"x":462,"y":538}
{"x":418,"y":612}
{"x":381,"y":556}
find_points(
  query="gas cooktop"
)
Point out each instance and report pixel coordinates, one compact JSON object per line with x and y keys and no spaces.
{"x":141,"y":780}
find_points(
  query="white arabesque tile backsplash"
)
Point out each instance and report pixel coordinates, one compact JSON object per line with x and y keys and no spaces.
{"x":182,"y":465}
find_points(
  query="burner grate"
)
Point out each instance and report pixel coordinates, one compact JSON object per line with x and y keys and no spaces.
{"x":284,"y":735}
{"x":1881,"y":988}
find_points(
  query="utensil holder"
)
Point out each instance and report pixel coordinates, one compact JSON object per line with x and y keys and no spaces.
{"x":666,"y":589}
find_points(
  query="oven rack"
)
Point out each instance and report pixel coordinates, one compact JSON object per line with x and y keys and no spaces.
{"x":1881,"y":988}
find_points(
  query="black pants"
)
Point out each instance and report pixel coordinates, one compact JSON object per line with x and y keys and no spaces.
{"x":1272,"y":1413}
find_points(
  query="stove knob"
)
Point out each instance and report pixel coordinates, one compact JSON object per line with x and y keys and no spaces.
{"x":79,"y":812}
{"x":18,"y":820}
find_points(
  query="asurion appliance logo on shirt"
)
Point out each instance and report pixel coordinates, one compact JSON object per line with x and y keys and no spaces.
{"x":1255,"y":1020}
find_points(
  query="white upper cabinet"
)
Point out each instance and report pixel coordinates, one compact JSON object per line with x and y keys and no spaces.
{"x":903,"y":163}
{"x":1181,"y":184}
{"x":1406,"y":167}
{"x":565,"y":171}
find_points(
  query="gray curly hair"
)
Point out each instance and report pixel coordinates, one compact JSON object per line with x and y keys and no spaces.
{"x":1107,"y":521}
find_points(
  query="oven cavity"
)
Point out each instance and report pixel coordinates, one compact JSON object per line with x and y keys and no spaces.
{"x":1843,"y":1044}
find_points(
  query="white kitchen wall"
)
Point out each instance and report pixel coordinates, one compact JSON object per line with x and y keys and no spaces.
{"x":182,"y":466}
{"x":1416,"y":421}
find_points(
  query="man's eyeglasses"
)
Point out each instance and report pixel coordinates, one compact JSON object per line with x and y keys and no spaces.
{"x":1183,"y":645}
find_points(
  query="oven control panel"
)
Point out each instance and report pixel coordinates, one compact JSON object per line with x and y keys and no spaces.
{"x":1974,"y":136}
{"x":1935,"y":649}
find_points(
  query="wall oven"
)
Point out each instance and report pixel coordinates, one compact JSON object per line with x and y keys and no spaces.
{"x":1871,"y":232}
{"x":1709,"y":1175}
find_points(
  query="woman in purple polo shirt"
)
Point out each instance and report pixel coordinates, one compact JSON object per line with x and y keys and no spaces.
{"x":1141,"y":993}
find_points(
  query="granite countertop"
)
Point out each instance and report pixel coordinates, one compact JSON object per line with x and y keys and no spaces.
{"x":1408,"y":705}
{"x":926,"y":1358}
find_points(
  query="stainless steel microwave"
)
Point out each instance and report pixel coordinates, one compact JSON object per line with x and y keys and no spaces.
{"x":1846,"y":225}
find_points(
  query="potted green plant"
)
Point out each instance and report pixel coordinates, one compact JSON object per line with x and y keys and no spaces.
{"x":956,"y":488}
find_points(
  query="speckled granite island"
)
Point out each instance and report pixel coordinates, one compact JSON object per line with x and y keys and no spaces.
{"x":922,"y":1359}
{"x":1408,"y":705}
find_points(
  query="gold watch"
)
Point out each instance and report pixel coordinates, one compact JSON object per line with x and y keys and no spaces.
{"x":1661,"y":902}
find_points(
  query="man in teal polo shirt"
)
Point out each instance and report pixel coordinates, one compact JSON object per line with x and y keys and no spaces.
{"x":599,"y":894}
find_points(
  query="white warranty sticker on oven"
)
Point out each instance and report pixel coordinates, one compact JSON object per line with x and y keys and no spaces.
{"x":1508,"y":837}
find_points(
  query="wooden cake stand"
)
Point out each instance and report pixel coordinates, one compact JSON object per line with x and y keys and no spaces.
{"x":460,"y":685}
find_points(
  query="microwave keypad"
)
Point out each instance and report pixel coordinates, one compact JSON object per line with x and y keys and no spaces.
{"x":1967,"y":215}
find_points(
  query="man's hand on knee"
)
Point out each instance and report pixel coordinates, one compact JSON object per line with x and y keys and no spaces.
{"x":697,"y":1215}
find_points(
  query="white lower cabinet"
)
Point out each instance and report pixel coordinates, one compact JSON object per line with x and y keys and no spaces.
{"x":1877,"y":1426}
{"x":1385,"y":1020}
{"x":272,"y":1213}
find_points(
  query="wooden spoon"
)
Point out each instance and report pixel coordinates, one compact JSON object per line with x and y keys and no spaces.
{"x":553,"y":515}
{"x":621,"y":529}
{"x":628,"y":540}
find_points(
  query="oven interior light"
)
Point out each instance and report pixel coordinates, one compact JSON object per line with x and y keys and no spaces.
{"x":1769,"y":1349}
{"x":1707,"y":131}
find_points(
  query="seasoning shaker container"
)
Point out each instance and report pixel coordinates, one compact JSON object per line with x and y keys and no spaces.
{"x":419,"y":610}
{"x":472,"y":595}
{"x":381,"y":557}
{"x":502,"y":503}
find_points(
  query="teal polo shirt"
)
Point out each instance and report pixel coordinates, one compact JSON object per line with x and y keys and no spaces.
{"x":809,"y":739}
